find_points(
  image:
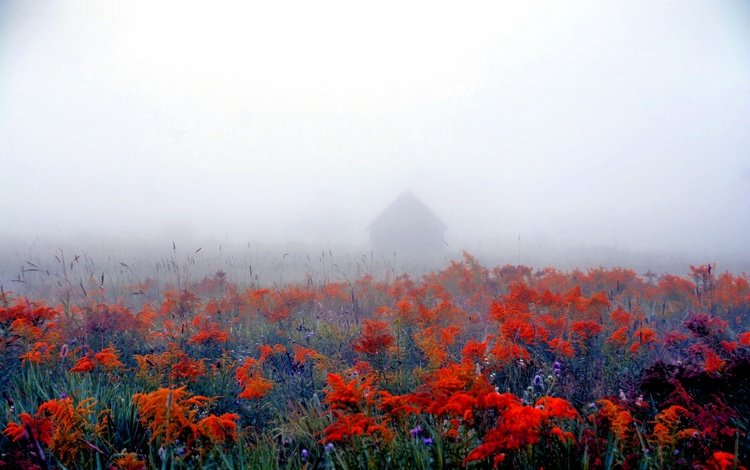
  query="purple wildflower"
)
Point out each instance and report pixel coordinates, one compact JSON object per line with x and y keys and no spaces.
{"x":538,"y":381}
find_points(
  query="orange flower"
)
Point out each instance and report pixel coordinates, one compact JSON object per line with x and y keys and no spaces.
{"x":665,"y":429}
{"x":186,"y":368}
{"x":40,"y":352}
{"x":342,"y":395}
{"x":255,"y":387}
{"x":618,"y":418}
{"x":84,"y":364}
{"x":219,"y":428}
{"x":69,"y":426}
{"x":209,"y":332}
{"x":170,"y":413}
{"x":250,"y":377}
{"x":428,"y":340}
{"x":40,"y":429}
{"x":24,"y":328}
{"x":58,"y":425}
{"x":179,"y":303}
{"x":688,"y":433}
{"x":130,"y":461}
{"x":208,"y":336}
{"x":302,"y":354}
{"x":266,"y":351}
{"x":107,"y":357}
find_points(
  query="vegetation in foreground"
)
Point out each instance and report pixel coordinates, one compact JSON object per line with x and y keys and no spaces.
{"x":468,"y":367}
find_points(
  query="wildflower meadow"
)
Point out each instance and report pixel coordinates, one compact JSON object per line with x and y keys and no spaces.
{"x":466,"y":367}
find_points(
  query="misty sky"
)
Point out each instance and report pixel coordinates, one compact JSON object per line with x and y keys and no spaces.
{"x":606,"y":123}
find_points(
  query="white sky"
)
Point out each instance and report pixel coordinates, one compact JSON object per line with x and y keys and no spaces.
{"x":618,"y":122}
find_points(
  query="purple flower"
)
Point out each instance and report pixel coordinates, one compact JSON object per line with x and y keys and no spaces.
{"x":329,"y":447}
{"x":538,"y":381}
{"x":427,"y":441}
{"x":415,"y":431}
{"x":556,"y":367}
{"x":304,"y":454}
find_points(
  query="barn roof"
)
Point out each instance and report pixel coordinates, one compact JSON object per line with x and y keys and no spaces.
{"x":407,"y":211}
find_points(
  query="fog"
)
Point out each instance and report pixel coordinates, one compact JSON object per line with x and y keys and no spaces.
{"x":538,"y":132}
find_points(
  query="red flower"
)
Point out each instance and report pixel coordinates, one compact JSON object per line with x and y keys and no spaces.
{"x":556,"y":407}
{"x":474,"y":350}
{"x":375,"y":338}
{"x":562,"y":347}
{"x":586,"y":329}
{"x":722,"y":461}
{"x":346,"y":426}
{"x":713,"y":362}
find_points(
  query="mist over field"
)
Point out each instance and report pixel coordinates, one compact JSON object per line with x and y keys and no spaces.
{"x":400,"y":235}
{"x":540,"y":133}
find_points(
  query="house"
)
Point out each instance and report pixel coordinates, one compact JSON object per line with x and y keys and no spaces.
{"x":408,"y":229}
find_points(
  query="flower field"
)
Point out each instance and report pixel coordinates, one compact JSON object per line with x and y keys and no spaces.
{"x":467,"y":367}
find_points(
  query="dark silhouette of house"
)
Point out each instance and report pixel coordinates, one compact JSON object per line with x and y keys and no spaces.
{"x":408,"y":228}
